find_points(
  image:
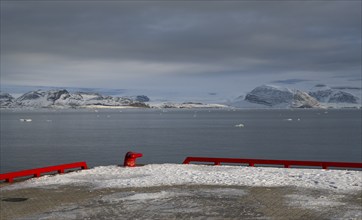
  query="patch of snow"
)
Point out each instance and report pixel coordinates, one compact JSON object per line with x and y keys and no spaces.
{"x":143,"y":197}
{"x":117,"y":197}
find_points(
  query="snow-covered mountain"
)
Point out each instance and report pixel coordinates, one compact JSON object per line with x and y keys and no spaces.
{"x":6,"y":99}
{"x":279,"y":97}
{"x":61,"y":98}
{"x":326,"y":94}
{"x":320,"y":96}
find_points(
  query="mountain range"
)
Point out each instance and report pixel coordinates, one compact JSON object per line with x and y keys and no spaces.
{"x":264,"y":96}
{"x":61,"y":98}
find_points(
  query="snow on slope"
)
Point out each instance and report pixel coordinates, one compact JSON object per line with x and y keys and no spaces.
{"x":277,"y":97}
{"x":179,"y":174}
{"x":320,"y":96}
{"x":337,"y":96}
{"x":5,"y":99}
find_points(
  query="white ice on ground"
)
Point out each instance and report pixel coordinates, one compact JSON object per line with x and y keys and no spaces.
{"x":179,"y":174}
{"x":223,"y":192}
{"x":117,"y":197}
{"x":310,"y":202}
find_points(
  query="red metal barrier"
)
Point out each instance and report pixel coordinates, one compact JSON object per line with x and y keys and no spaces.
{"x":9,"y":177}
{"x":285,"y":163}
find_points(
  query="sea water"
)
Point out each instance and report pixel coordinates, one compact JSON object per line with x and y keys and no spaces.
{"x":102,"y":137}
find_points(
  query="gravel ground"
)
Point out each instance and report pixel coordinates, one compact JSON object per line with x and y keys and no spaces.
{"x":179,"y":202}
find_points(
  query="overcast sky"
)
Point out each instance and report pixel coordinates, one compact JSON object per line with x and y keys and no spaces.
{"x":198,"y":46}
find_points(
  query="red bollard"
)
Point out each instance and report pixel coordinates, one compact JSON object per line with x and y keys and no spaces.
{"x":130,"y":159}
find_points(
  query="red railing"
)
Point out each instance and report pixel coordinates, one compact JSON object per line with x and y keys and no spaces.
{"x":285,"y":163}
{"x":9,"y":177}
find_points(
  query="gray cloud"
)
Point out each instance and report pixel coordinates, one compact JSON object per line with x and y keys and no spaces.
{"x":290,"y":81}
{"x":108,"y":43}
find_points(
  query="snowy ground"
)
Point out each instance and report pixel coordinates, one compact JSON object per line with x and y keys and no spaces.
{"x":189,"y":105}
{"x":175,"y":191}
{"x":108,"y":107}
{"x":179,"y":174}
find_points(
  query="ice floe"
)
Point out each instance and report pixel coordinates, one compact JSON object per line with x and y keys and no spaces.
{"x":239,"y":125}
{"x":25,"y":120}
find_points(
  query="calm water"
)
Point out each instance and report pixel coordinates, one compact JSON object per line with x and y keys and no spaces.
{"x":102,"y":138}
